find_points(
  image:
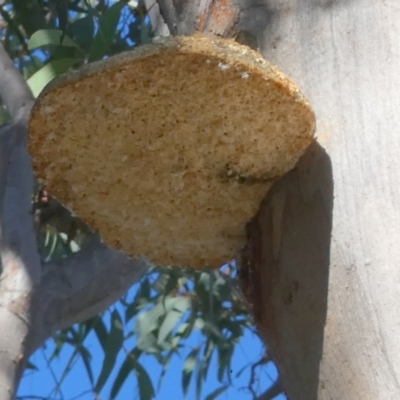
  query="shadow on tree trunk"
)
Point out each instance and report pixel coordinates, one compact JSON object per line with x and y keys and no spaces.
{"x":285,"y":268}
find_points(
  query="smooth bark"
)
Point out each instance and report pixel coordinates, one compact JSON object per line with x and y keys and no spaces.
{"x":322,"y":262}
{"x":37,"y":298}
{"x":216,"y":17}
{"x":329,"y":260}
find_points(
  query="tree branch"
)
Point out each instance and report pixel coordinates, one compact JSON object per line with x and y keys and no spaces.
{"x":20,"y":262}
{"x":82,"y":286}
{"x":17,"y":236}
{"x":14,"y":90}
{"x":158,"y":24}
{"x":273,"y":391}
{"x":217,"y":17}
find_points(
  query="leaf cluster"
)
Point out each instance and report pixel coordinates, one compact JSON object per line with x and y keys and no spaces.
{"x":169,"y":307}
{"x":46,"y":38}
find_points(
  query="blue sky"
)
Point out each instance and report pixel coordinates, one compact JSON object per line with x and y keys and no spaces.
{"x":77,"y":385}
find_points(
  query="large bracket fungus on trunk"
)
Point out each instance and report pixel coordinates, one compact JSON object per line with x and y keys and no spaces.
{"x":169,"y":149}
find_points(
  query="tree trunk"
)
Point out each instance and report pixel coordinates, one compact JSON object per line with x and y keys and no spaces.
{"x":324,"y":251}
{"x":322,"y":262}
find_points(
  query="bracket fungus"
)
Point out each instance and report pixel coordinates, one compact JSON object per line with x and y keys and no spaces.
{"x":169,"y":149}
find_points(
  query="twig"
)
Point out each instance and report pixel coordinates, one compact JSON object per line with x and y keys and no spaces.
{"x":14,"y":90}
{"x":273,"y":391}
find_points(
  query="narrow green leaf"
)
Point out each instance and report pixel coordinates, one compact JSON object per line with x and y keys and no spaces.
{"x":83,"y":29}
{"x":53,"y":247}
{"x":59,"y":340}
{"x":47,"y":238}
{"x":144,"y":291}
{"x":63,"y":52}
{"x":114,"y":344}
{"x":87,"y":358}
{"x":224,"y":356}
{"x":216,"y":392}
{"x":165,"y":368}
{"x":101,"y":332}
{"x":161,"y":282}
{"x":142,"y":295}
{"x":182,"y":329}
{"x":29,"y":14}
{"x":199,"y":323}
{"x":169,"y":323}
{"x":210,"y":326}
{"x":127,"y":366}
{"x":31,"y":365}
{"x":146,"y":389}
{"x":188,"y":368}
{"x":175,"y":343}
{"x":200,"y":380}
{"x":171,"y":283}
{"x":209,"y":349}
{"x":205,"y":279}
{"x":182,"y":304}
{"x":14,"y":30}
{"x":191,"y":320}
{"x":54,"y":68}
{"x":236,"y":329}
{"x":108,"y":23}
{"x":147,"y":342}
{"x":151,"y":320}
{"x":146,"y":35}
{"x":49,"y":37}
{"x":76,"y":341}
{"x":62,"y":12}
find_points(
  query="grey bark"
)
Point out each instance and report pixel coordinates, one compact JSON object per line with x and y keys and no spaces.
{"x":324,"y":250}
{"x":216,"y":17}
{"x":36,"y":299}
{"x":158,"y":24}
{"x":329,"y":232}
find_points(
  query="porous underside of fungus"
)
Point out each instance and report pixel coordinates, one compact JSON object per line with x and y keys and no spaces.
{"x":169,"y":149}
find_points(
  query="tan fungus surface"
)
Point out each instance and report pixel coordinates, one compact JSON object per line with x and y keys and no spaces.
{"x":169,"y":149}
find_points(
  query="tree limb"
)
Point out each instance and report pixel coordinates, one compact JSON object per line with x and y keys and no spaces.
{"x":14,"y":90}
{"x":17,"y":236}
{"x":158,"y":24}
{"x":217,"y":17}
{"x":84,"y":285}
{"x":20,"y":261}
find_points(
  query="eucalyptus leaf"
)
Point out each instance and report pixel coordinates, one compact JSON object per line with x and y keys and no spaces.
{"x":126,"y":368}
{"x":188,"y":368}
{"x":146,"y":35}
{"x":30,"y":365}
{"x":114,"y":344}
{"x":86,"y":359}
{"x":83,"y":29}
{"x":108,"y":23}
{"x":169,"y":323}
{"x":50,"y":37}
{"x":41,"y":78}
{"x":101,"y":332}
{"x":146,"y":389}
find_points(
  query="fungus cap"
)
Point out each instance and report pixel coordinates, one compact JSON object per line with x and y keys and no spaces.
{"x":169,"y":149}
